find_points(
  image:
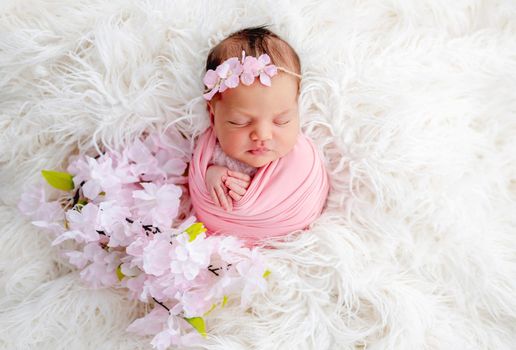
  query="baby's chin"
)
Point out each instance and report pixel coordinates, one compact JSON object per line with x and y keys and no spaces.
{"x":257,"y":161}
{"x":258,"y":164}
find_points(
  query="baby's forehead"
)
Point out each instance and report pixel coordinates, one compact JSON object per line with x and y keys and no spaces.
{"x":258,"y":114}
{"x":283,"y":88}
{"x":260,"y":108}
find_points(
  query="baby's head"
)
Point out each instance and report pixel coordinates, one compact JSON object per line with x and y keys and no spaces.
{"x":254,"y":123}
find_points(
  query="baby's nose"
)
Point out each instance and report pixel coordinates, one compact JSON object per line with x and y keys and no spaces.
{"x":261,"y":132}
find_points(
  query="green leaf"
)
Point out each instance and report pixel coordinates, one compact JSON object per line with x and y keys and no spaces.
{"x":119,"y":273}
{"x":198,"y":324}
{"x":195,"y":230}
{"x":59,"y":180}
{"x":266,"y":273}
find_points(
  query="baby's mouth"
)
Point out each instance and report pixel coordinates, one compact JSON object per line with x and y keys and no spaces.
{"x":259,"y":151}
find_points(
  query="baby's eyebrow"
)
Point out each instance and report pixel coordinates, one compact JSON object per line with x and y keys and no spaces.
{"x":252,"y":116}
{"x":282,"y":112}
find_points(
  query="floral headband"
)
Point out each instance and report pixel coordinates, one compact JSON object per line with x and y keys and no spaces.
{"x":229,"y":73}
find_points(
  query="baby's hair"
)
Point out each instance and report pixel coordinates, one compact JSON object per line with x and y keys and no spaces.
{"x":255,"y":41}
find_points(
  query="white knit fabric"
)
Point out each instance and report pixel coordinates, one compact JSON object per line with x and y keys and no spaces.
{"x":221,"y":158}
{"x":412,"y":103}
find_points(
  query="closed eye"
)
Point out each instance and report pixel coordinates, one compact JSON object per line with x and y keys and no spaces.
{"x":237,"y":124}
{"x":282,"y":122}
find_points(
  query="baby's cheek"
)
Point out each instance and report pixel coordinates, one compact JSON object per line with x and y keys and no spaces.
{"x":240,"y":138}
{"x":292,"y":139}
{"x":232,"y":144}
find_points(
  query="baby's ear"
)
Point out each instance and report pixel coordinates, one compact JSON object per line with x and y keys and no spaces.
{"x":209,"y":108}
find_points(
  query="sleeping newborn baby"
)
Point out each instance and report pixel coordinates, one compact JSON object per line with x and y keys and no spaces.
{"x":254,"y":174}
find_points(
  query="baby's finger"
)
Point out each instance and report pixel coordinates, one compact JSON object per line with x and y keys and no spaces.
{"x":239,"y":175}
{"x":235,"y":187}
{"x":214,"y":197}
{"x":228,"y":197}
{"x":222,"y":197}
{"x":230,"y":202}
{"x":235,"y":195}
{"x":232,"y":181}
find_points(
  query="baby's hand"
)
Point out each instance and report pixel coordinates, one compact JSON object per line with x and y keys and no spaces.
{"x":215,"y":177}
{"x":237,"y":183}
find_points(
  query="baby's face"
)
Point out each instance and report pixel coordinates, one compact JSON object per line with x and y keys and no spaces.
{"x":257,"y":124}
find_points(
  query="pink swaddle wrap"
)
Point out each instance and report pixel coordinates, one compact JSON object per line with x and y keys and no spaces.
{"x":286,"y":195}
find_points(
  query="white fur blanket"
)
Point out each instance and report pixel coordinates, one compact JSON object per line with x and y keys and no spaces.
{"x":412,"y":102}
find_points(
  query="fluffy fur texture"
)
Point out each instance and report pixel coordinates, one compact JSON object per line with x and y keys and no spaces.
{"x":412,"y":103}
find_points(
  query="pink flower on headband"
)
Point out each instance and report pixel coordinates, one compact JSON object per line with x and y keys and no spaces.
{"x":260,"y":66}
{"x":230,"y":72}
{"x":226,"y":75}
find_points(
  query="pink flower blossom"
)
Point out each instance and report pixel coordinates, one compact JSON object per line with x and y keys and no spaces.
{"x":45,"y":214}
{"x":253,"y":67}
{"x":77,"y":258}
{"x":172,"y":142}
{"x":168,"y":283}
{"x":194,"y":303}
{"x":124,"y":236}
{"x":266,"y":70}
{"x":189,"y":257}
{"x":83,"y":225}
{"x":211,"y":80}
{"x":230,"y":249}
{"x":251,"y":270}
{"x":99,"y":175}
{"x":226,"y":75}
{"x":143,"y":164}
{"x":157,"y":205}
{"x":135,"y":251}
{"x":221,"y":285}
{"x":135,"y":286}
{"x":102,"y":270}
{"x":156,"y":256}
{"x":152,"y":288}
{"x":171,"y":335}
{"x":120,"y":235}
{"x":110,"y":213}
{"x":151,"y":323}
{"x":229,"y":71}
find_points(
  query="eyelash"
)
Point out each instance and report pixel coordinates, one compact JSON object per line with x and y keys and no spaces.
{"x":245,"y":124}
{"x":238,"y":124}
